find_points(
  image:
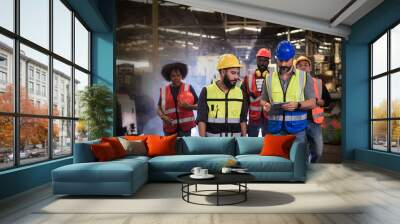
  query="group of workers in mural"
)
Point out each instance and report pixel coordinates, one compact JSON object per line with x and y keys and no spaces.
{"x":288,"y":101}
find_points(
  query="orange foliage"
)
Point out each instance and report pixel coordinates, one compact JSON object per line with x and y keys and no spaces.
{"x":33,"y":130}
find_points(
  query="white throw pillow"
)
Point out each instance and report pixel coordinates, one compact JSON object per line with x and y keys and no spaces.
{"x":136,"y":147}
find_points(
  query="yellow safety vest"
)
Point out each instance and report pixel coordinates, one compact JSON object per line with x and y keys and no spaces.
{"x":223,"y":111}
{"x":292,"y":122}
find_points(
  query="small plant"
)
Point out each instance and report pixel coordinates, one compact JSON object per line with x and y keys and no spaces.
{"x":96,"y":102}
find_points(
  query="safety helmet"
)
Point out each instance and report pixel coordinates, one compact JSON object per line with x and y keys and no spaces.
{"x":228,"y":61}
{"x":301,"y":58}
{"x":285,"y":51}
{"x":186,"y":97}
{"x":264,"y":52}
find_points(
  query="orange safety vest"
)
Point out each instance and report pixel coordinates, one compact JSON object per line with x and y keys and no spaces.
{"x":255,"y":109}
{"x":181,"y":116}
{"x":318,"y":112}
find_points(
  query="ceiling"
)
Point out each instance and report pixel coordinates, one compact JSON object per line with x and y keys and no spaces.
{"x":326,"y":16}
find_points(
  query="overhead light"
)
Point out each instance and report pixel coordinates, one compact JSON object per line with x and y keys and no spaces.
{"x":326,"y":43}
{"x":291,"y":32}
{"x":255,"y":29}
{"x":323,"y":47}
{"x":195,"y":47}
{"x":186,"y":33}
{"x":338,"y":39}
{"x":297,"y":41}
{"x":297,"y":46}
{"x":243,"y":47}
{"x":248,"y":28}
{"x":247,"y":57}
{"x":233,"y":29}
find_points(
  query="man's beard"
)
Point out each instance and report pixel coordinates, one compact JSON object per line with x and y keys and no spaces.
{"x":285,"y":69}
{"x":228,"y":83}
{"x":262,"y":68}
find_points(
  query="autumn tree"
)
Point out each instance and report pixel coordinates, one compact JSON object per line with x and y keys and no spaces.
{"x":33,"y":130}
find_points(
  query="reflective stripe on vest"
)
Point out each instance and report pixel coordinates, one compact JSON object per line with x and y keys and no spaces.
{"x":222,"y":120}
{"x":318,"y":112}
{"x":185,"y":118}
{"x":223,"y":108}
{"x":292,"y":122}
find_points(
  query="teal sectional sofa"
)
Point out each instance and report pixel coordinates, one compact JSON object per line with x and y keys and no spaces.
{"x":125,"y":176}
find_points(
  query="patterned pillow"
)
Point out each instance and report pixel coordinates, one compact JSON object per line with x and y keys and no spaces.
{"x":133,"y":147}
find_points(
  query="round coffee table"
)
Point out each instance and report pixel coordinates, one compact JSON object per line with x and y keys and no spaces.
{"x":238,"y":179}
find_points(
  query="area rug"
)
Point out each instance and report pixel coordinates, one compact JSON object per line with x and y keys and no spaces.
{"x":167,"y":198}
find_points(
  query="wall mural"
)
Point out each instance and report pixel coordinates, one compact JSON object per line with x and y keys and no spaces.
{"x":197,"y":37}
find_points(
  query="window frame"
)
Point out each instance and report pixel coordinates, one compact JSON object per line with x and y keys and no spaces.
{"x":16,"y":114}
{"x":388,"y":74}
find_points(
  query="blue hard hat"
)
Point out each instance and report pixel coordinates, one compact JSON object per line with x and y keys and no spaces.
{"x":285,"y":51}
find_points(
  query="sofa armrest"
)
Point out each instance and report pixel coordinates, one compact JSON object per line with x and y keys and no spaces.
{"x":83,"y":152}
{"x":298,"y":157}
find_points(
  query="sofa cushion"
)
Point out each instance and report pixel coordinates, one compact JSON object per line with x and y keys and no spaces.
{"x":103,"y":152}
{"x":83,"y":152}
{"x":257,"y":163}
{"x":134,"y":147}
{"x":116,"y":145}
{"x":277,"y":145}
{"x":185,"y":163}
{"x":249,"y":145}
{"x":161,"y":145}
{"x":208,"y":145}
{"x":112,"y":171}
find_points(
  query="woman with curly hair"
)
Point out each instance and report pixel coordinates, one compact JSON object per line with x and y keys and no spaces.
{"x":177,"y":101}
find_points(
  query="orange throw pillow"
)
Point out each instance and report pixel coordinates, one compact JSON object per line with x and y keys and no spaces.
{"x":277,"y":145}
{"x":116,"y":145}
{"x":135,"y":138}
{"x":161,"y":145}
{"x":103,"y":152}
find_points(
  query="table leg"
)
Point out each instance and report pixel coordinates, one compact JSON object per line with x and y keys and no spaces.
{"x":217,"y":194}
{"x":245,"y":191}
{"x":196,"y":188}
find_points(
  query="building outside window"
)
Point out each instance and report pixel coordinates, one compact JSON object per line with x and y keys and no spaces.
{"x":58,"y":133}
{"x":385,"y":95}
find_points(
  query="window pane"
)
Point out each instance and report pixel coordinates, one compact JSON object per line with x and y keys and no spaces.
{"x":35,"y":21}
{"x":81,"y":131}
{"x":81,"y":45}
{"x":62,"y":138}
{"x":395,"y":47}
{"x":33,"y":139}
{"x":379,"y":98}
{"x":6,"y":142}
{"x":62,"y":29}
{"x":7,"y":14}
{"x":81,"y":81}
{"x":62,"y":89}
{"x":34,"y":72}
{"x":6,"y":74}
{"x":395,"y":95}
{"x":379,"y":135}
{"x":395,"y":138}
{"x":379,"y":55}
